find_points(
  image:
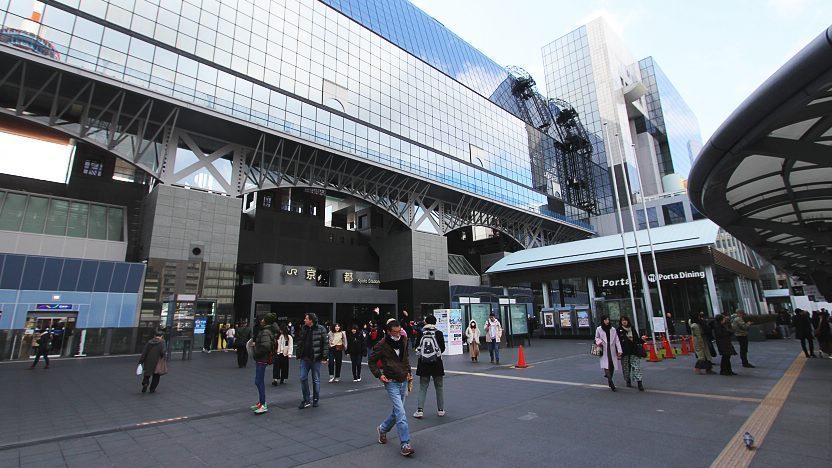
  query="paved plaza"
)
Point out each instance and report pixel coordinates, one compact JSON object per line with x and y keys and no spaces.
{"x":90,"y":412}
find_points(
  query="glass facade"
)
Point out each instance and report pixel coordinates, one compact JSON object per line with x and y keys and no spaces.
{"x":307,"y":70}
{"x":41,"y":214}
{"x":670,"y":121}
{"x":104,"y":294}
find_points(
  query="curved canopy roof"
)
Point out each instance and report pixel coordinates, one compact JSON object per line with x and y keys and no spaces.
{"x":766,"y":174}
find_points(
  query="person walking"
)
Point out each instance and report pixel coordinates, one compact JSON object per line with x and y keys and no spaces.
{"x":740,"y":328}
{"x":153,"y":361}
{"x":803,"y":332}
{"x":429,"y":365}
{"x":263,"y":353}
{"x":389,"y":362}
{"x":704,"y":358}
{"x":722,"y":331}
{"x":241,"y":337}
{"x":313,"y":348}
{"x":607,"y":337}
{"x":43,"y":343}
{"x":356,"y":348}
{"x":824,"y":335}
{"x":631,"y":342}
{"x":283,"y":352}
{"x":375,"y":334}
{"x":472,"y":337}
{"x":493,"y":333}
{"x":230,"y":333}
{"x":337,"y":347}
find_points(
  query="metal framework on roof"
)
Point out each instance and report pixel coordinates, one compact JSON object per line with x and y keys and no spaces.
{"x":149,"y":130}
{"x":766,"y":174}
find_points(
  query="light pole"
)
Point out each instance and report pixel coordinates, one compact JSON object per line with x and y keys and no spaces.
{"x":623,"y":243}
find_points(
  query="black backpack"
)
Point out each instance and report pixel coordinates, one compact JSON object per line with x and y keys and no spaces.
{"x":428,"y":346}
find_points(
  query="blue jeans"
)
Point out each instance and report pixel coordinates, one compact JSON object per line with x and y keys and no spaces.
{"x":315,"y":367}
{"x":494,"y":349}
{"x":259,"y":375}
{"x":397,"y":392}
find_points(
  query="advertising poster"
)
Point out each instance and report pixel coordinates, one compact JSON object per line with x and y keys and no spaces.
{"x":549,"y":319}
{"x":480,"y":313}
{"x":444,"y":324}
{"x":519,"y":319}
{"x":658,"y":324}
{"x":583,"y":318}
{"x":565,"y":319}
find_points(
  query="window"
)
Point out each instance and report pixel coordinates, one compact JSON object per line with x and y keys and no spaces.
{"x":93,"y":167}
{"x":267,"y":201}
{"x":695,"y":214}
{"x":674,"y":213}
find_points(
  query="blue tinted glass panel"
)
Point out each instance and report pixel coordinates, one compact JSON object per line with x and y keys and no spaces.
{"x":134,"y":280}
{"x":51,"y":274}
{"x":69,"y":275}
{"x":103,"y":277}
{"x":86,"y":280}
{"x":120,"y":274}
{"x":12,"y":272}
{"x":32,"y":273}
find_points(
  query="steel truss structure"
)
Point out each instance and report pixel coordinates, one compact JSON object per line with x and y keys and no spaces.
{"x":150,"y":130}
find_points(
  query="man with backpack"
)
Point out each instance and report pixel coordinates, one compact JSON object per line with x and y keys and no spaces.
{"x":431,"y":347}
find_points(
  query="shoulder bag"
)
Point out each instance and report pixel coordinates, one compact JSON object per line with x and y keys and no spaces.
{"x":597,"y":350}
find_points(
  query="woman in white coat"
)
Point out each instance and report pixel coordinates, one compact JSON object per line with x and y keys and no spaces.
{"x":607,"y":337}
{"x":472,"y":337}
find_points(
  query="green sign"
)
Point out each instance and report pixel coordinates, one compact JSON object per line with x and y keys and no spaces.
{"x":479,"y":314}
{"x":519,"y":320}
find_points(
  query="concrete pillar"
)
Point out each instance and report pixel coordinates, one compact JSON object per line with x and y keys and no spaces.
{"x":590,"y":288}
{"x":547,"y":303}
{"x":709,"y":277}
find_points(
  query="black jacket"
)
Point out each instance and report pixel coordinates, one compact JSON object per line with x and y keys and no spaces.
{"x":355,"y":344}
{"x":628,"y":347}
{"x":723,"y":339}
{"x":264,"y":344}
{"x":154,"y":350}
{"x":242,"y":336}
{"x":802,"y":326}
{"x":435,"y":368}
{"x":320,"y":342}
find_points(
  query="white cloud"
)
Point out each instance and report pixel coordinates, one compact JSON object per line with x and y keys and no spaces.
{"x":789,"y":7}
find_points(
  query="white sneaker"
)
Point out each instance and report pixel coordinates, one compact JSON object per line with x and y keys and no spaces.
{"x":418,"y":414}
{"x":355,"y":380}
{"x":440,"y":413}
{"x":359,"y":379}
{"x":337,"y":379}
{"x":331,"y":379}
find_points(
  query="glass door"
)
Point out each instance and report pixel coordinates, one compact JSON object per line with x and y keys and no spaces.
{"x":61,"y":329}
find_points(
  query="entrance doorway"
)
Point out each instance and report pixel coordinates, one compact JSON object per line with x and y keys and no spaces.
{"x":62,"y":327}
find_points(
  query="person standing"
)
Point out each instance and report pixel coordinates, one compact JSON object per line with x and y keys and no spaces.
{"x":740,"y":328}
{"x":43,"y":343}
{"x":607,"y":337}
{"x":472,"y":337}
{"x":221,"y":342}
{"x":784,"y":322}
{"x":803,"y":332}
{"x":722,"y":331}
{"x":209,"y":334}
{"x":153,"y":354}
{"x":283,"y":352}
{"x":263,"y":352}
{"x":313,"y":348}
{"x":337,"y":347}
{"x":230,"y":333}
{"x":671,"y":327}
{"x":430,"y":349}
{"x":375,"y":334}
{"x":390,"y":364}
{"x":493,"y":333}
{"x":242,"y":335}
{"x":631,"y":341}
{"x":824,"y":335}
{"x":704,"y":358}
{"x":356,"y":348}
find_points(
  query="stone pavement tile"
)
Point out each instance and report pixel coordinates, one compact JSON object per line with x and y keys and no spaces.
{"x":788,"y":457}
{"x":335,"y":449}
{"x":45,"y":457}
{"x":308,"y":455}
{"x":87,"y":460}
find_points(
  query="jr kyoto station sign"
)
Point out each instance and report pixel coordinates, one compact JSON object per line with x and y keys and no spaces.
{"x":310,"y":276}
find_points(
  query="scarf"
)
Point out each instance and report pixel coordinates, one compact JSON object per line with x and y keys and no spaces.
{"x":628,"y":332}
{"x":395,"y":343}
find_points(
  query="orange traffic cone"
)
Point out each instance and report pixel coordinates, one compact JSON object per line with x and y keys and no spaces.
{"x":690,"y":346}
{"x":521,"y":359}
{"x":685,"y":350}
{"x":651,"y":348}
{"x":668,"y":351}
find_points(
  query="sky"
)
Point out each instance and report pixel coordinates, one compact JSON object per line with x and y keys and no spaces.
{"x":716,"y":52}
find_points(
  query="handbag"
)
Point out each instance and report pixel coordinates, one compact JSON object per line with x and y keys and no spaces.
{"x":597,"y":350}
{"x":339,"y":347}
{"x":161,"y":367}
{"x":139,"y":369}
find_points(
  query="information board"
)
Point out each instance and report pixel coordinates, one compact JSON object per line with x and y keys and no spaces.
{"x":583,"y":319}
{"x":566,"y":319}
{"x":549,"y":319}
{"x":479,"y":314}
{"x":519,"y":319}
{"x":444,"y":319}
{"x":658,"y":324}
